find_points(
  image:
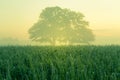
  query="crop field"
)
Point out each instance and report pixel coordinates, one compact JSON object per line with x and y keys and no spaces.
{"x":60,"y":63}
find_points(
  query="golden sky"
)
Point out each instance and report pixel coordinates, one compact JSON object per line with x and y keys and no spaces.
{"x":17,"y":16}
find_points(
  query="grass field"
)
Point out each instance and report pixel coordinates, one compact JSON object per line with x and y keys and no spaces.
{"x":60,"y":63}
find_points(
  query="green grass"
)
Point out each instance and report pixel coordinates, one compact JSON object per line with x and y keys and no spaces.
{"x":60,"y":63}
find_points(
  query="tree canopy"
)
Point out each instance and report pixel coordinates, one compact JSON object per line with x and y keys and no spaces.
{"x":61,"y":25}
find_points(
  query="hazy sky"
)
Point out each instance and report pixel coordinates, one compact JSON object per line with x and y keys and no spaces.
{"x":17,"y":16}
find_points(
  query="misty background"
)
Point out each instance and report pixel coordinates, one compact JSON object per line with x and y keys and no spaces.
{"x":17,"y":16}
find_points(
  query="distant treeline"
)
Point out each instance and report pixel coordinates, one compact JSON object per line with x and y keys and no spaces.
{"x":12,"y":41}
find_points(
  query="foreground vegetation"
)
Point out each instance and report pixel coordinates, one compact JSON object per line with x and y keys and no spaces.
{"x":60,"y":63}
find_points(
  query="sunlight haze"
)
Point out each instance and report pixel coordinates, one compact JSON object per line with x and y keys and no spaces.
{"x":17,"y":16}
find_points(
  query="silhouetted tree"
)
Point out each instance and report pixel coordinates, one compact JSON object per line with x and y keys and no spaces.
{"x":62,"y":25}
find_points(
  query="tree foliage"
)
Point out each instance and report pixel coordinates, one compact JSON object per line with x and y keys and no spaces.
{"x":62,"y":25}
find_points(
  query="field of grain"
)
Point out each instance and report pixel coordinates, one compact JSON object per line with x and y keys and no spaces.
{"x":60,"y":63}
